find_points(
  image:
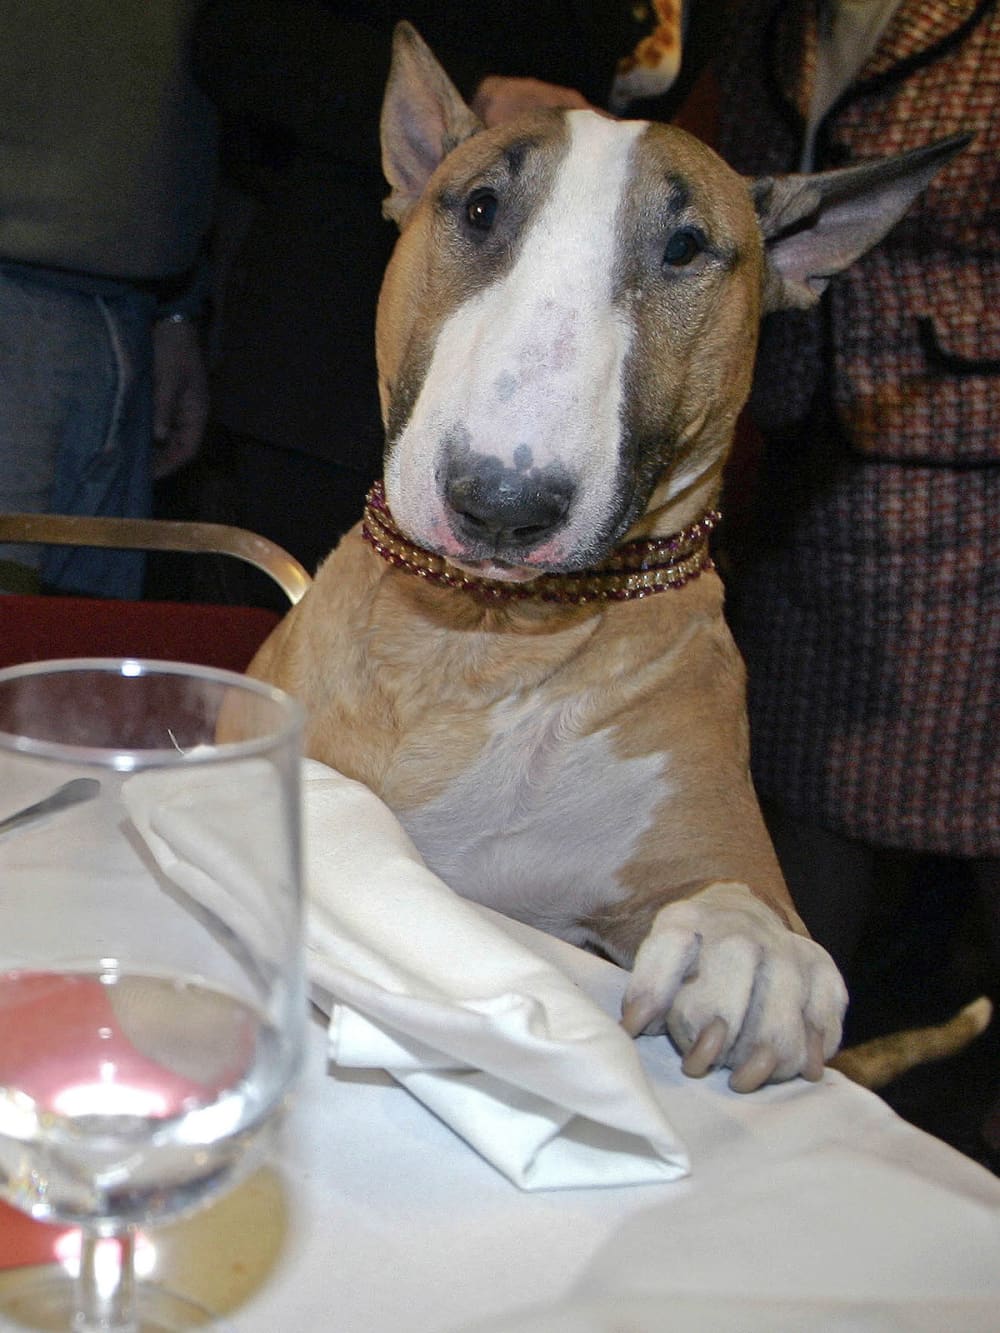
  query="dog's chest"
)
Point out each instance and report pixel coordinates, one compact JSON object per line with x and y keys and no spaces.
{"x":542,"y":822}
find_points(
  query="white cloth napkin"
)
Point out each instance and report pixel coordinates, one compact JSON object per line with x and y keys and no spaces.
{"x":494,"y":1039}
{"x":219,"y":833}
{"x":497,"y":1042}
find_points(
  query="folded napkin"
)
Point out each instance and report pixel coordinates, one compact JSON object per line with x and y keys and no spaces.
{"x":501,"y":1045}
{"x":220,"y":833}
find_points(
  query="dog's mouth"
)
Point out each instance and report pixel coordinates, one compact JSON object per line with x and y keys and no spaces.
{"x":498,"y":571}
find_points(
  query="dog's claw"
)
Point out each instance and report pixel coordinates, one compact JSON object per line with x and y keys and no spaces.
{"x":637,"y":1011}
{"x":755,"y":1071}
{"x":704,"y":1054}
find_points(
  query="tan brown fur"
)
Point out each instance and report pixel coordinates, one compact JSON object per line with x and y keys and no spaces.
{"x":873,"y":1064}
{"x":398,"y":677}
{"x":708,"y":344}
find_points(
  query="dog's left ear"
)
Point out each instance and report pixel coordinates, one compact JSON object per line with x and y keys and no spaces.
{"x":815,"y":226}
{"x":423,"y":119}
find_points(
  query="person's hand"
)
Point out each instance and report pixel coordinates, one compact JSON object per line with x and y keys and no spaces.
{"x":498,"y":98}
{"x":180,"y":394}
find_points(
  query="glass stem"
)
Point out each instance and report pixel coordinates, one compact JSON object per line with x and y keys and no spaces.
{"x":106,"y":1287}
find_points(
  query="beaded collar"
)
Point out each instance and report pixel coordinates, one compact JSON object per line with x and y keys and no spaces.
{"x":635,"y":569}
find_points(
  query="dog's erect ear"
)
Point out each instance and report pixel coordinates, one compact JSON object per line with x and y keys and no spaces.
{"x":815,"y":226}
{"x":423,"y":118}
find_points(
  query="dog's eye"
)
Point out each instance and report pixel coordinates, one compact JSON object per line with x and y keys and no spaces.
{"x":481,"y":209}
{"x":683,"y":246}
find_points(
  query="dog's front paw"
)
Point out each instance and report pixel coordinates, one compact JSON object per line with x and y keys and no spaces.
{"x":733,"y":986}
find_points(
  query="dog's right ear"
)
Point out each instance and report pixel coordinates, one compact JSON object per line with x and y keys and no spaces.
{"x":423,"y":119}
{"x":815,"y":226}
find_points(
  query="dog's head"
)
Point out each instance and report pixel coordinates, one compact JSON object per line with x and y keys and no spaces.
{"x":567,"y":327}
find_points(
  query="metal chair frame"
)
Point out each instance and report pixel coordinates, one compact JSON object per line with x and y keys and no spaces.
{"x":152,"y":534}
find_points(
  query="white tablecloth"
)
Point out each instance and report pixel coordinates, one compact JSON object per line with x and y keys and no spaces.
{"x":808,"y":1207}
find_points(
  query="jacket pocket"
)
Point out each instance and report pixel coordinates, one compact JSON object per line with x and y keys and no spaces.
{"x":970,"y":348}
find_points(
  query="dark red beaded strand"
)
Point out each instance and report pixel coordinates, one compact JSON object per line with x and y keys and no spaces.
{"x":636,"y":569}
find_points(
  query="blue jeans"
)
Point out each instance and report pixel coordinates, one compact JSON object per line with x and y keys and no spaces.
{"x":76,"y":406}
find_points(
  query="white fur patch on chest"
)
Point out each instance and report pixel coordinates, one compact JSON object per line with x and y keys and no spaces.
{"x":540,"y":826}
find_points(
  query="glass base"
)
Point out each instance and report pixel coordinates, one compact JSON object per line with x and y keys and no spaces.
{"x":43,"y":1300}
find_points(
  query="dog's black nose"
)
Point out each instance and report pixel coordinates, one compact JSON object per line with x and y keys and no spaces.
{"x":506,"y":508}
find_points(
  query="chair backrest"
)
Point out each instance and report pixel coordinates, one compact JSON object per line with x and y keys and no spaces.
{"x":155,"y":534}
{"x":38,"y":627}
{"x":34,"y":628}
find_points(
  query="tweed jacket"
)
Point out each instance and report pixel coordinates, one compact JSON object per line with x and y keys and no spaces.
{"x":915,"y":325}
{"x":869,"y":608}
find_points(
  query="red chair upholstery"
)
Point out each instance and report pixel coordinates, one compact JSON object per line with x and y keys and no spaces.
{"x":33,"y":628}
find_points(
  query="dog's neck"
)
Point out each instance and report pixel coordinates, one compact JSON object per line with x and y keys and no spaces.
{"x":634,"y":569}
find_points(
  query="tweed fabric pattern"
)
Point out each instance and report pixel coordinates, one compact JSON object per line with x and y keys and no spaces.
{"x":868,"y":610}
{"x":872,"y":681}
{"x":916,"y":356}
{"x":933,"y":286}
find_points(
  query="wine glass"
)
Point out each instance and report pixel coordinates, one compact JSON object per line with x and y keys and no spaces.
{"x":152,"y":1009}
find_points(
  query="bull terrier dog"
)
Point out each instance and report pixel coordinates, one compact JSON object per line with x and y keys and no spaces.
{"x":522,"y":647}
